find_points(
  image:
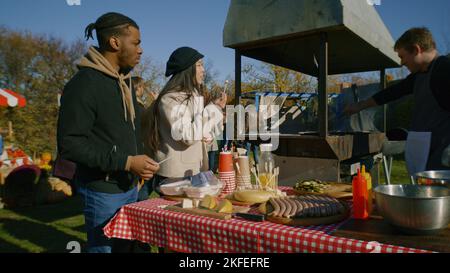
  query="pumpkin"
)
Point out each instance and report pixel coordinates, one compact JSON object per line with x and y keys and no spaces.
{"x":67,"y":190}
{"x":60,"y":186}
{"x":46,"y":157}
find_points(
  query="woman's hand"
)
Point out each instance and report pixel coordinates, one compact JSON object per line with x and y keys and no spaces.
{"x":207,"y":139}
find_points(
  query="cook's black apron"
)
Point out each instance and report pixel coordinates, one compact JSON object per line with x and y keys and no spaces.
{"x":428,"y":116}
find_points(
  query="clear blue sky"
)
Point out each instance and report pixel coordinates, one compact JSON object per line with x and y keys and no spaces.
{"x":168,"y":24}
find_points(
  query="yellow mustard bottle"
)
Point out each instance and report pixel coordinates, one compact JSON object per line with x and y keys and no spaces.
{"x":369,"y":189}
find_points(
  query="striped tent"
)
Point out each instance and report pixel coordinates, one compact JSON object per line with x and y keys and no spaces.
{"x":9,"y":98}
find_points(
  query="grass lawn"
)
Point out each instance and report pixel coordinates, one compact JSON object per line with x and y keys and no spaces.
{"x":399,"y":173}
{"x":49,"y":228}
{"x":46,"y":228}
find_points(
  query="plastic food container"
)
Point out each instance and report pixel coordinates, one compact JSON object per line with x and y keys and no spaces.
{"x":200,"y":192}
{"x":210,"y":185}
{"x":174,"y":188}
{"x":193,"y":186}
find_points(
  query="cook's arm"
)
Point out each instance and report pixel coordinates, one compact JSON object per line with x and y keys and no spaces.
{"x":392,"y":93}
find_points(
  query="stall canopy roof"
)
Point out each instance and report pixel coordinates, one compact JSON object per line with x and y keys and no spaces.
{"x":286,"y":33}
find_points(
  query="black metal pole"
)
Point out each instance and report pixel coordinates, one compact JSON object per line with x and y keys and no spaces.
{"x":237,"y":85}
{"x":237,"y":77}
{"x":322,"y":88}
{"x":383,"y":86}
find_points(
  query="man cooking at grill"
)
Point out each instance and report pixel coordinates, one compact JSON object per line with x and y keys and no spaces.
{"x":429,"y":83}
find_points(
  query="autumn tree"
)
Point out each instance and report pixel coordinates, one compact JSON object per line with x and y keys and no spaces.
{"x":153,"y":74}
{"x":38,"y":67}
{"x":269,"y":77}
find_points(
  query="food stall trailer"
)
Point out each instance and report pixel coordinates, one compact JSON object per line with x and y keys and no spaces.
{"x":317,"y":38}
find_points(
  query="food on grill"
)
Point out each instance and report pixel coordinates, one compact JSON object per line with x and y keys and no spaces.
{"x":304,"y":206}
{"x":252,"y":196}
{"x":313,"y":186}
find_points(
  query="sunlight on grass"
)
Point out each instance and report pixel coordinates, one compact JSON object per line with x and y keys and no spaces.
{"x":32,"y":230}
{"x":81,"y":235}
{"x":70,"y":222}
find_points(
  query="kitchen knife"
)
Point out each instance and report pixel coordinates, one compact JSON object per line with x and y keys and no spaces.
{"x":250,"y":217}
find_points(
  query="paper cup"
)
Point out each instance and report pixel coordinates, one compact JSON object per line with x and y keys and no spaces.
{"x":244,"y":166}
{"x":243,"y":182}
{"x":226,"y":162}
{"x":229,"y":182}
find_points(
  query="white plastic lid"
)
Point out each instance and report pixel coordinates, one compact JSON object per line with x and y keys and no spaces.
{"x":267,"y":147}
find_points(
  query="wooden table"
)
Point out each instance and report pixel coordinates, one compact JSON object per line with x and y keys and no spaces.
{"x":377,"y":230}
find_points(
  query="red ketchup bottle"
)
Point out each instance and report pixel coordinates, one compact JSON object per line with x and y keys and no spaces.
{"x":360,"y":197}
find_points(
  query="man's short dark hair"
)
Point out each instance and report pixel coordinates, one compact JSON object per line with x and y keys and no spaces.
{"x":416,"y":36}
{"x":104,"y":35}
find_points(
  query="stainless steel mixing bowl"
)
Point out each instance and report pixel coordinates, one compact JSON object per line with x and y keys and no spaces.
{"x":414,"y":209}
{"x":433,"y":178}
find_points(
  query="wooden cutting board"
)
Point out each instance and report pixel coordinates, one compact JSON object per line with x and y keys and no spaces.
{"x":229,"y":197}
{"x":209,"y":213}
{"x":378,"y":230}
{"x":309,"y":221}
{"x":336,"y":190}
{"x":178,"y":198}
{"x":201,"y":212}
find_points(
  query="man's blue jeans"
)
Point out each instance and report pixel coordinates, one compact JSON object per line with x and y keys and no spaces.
{"x":99,"y":208}
{"x":1,"y":145}
{"x":145,"y":191}
{"x":249,"y":147}
{"x":212,"y":160}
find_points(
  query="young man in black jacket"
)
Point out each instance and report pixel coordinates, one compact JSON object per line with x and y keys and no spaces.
{"x":429,"y":83}
{"x":98,"y":127}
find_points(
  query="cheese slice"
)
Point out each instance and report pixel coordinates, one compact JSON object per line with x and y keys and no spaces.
{"x":187,"y":204}
{"x":208,"y":202}
{"x":225,"y":206}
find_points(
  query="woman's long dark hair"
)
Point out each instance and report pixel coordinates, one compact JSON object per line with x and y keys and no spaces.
{"x":184,"y":81}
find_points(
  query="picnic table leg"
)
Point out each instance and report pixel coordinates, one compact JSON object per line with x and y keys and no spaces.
{"x":140,"y":247}
{"x":122,"y":246}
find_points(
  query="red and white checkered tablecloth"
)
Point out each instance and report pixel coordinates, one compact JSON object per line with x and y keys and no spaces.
{"x":146,"y":222}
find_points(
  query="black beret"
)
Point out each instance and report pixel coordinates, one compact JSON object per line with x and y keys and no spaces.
{"x":181,"y":59}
